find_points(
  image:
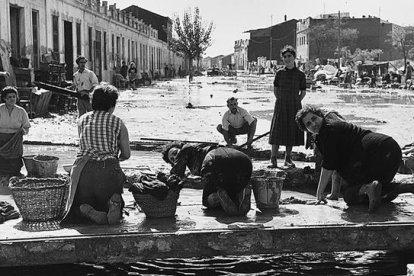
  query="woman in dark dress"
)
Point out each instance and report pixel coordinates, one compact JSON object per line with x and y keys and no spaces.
{"x":289,"y":90}
{"x":367,"y":161}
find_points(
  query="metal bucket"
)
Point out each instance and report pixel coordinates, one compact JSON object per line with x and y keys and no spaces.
{"x":267,"y":192}
{"x":46,"y":166}
{"x":29,"y":163}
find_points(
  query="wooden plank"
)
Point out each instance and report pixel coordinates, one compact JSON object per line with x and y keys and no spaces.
{"x":57,"y":89}
{"x":171,"y":140}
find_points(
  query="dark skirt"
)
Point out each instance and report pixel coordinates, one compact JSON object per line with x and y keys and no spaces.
{"x":98,"y":181}
{"x":11,"y":151}
{"x":284,"y":130}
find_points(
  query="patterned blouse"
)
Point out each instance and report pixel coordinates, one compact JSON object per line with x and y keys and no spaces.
{"x":99,"y":133}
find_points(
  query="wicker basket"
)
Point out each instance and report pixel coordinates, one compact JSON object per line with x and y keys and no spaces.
{"x":40,"y":199}
{"x":155,"y":208}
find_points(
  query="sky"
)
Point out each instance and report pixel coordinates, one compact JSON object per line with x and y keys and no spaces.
{"x":232,"y":18}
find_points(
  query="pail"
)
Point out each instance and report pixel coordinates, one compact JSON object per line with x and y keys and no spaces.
{"x":29,"y":163}
{"x":267,"y":192}
{"x":46,"y":166}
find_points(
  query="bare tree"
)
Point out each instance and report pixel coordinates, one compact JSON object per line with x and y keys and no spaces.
{"x":193,"y":35}
{"x":403,"y":39}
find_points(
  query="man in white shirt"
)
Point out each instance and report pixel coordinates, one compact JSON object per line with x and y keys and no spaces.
{"x":84,"y":80}
{"x":237,"y":121}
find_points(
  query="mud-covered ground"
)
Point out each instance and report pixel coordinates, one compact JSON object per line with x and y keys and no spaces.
{"x":161,"y":110}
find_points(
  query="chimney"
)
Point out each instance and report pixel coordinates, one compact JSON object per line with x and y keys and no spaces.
{"x":285,"y":17}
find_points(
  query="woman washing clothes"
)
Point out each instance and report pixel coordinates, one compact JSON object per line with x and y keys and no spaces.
{"x":225,"y":172}
{"x":96,"y":177}
{"x":14,"y":123}
{"x":367,"y":161}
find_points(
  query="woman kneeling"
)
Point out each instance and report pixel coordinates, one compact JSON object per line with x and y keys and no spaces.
{"x":366,"y":160}
{"x":97,"y":178}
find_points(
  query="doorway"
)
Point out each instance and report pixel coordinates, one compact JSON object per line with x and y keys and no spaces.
{"x":16,"y":33}
{"x":68,"y":49}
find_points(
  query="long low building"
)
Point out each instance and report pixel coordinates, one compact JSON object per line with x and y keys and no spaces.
{"x":41,"y":32}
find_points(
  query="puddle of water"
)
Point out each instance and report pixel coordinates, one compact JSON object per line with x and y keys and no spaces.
{"x":339,"y":263}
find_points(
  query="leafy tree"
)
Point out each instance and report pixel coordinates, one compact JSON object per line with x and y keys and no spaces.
{"x":193,"y":35}
{"x":325,"y":34}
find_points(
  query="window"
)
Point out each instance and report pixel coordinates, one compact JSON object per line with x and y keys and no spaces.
{"x":55,"y":33}
{"x":129,"y":50}
{"x":90,"y":39}
{"x":104,"y":50}
{"x":78,"y":39}
{"x":118,"y":51}
{"x":35,"y":26}
{"x":113,"y":49}
{"x":123,"y":48}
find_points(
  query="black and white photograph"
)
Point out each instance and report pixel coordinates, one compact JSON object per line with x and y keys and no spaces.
{"x":194,"y":137}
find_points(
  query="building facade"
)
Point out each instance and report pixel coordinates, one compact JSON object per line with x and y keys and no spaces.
{"x":60,"y":30}
{"x":373,"y":33}
{"x":241,"y":59}
{"x":268,"y":42}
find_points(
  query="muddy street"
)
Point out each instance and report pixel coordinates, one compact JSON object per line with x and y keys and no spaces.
{"x":161,"y":110}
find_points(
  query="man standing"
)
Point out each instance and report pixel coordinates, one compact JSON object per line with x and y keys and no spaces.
{"x":289,"y":90}
{"x":84,"y":80}
{"x":237,"y":121}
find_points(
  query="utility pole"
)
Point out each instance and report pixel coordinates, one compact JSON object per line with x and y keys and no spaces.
{"x":339,"y":39}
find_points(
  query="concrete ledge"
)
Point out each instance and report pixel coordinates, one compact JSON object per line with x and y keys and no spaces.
{"x":133,"y":247}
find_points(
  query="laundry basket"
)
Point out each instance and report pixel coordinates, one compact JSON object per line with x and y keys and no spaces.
{"x":40,"y":199}
{"x":155,"y":208}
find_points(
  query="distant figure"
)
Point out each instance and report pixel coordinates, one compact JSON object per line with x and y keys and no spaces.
{"x":180,"y":72}
{"x":289,"y":90}
{"x":237,"y":121}
{"x":84,"y":80}
{"x":124,"y":70}
{"x":408,"y":76}
{"x":190,"y":75}
{"x":132,"y":75}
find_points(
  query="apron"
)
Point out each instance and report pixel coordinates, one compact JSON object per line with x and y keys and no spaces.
{"x":75,"y":174}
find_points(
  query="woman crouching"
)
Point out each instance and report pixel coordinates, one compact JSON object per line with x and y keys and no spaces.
{"x":225,"y":172}
{"x":366,"y":160}
{"x":96,"y":177}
